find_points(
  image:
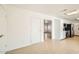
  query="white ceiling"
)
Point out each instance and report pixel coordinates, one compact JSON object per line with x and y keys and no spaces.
{"x":51,"y":9}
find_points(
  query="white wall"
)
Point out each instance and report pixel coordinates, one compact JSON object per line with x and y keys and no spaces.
{"x":24,"y":27}
{"x":76,"y":28}
{"x":56,"y":28}
{"x":19,"y":28}
{"x":3,"y":30}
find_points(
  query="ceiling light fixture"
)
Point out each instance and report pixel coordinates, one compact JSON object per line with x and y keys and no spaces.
{"x":73,"y":12}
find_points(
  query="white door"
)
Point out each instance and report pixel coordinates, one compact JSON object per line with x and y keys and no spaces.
{"x":3,"y":31}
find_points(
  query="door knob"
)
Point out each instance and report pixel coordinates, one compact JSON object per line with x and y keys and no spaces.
{"x":1,"y":35}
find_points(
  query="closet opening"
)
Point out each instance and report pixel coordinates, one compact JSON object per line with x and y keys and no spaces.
{"x":47,"y":29}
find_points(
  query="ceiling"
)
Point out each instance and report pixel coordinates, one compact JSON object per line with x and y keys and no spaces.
{"x":52,"y":9}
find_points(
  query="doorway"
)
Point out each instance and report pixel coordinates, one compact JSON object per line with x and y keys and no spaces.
{"x":68,"y":28}
{"x":47,"y":29}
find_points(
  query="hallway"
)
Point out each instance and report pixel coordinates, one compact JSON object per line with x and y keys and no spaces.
{"x":67,"y":46}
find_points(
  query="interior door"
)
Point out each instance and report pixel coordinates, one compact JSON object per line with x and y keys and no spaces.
{"x":3,"y":31}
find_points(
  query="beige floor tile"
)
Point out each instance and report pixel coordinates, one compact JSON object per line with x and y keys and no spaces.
{"x":66,"y":46}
